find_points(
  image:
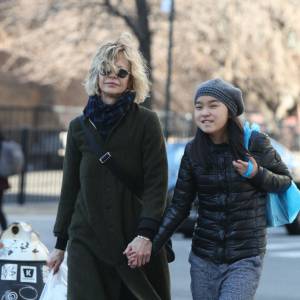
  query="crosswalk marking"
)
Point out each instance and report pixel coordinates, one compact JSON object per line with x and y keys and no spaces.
{"x":284,"y":250}
{"x":283,"y":246}
{"x":285,"y":254}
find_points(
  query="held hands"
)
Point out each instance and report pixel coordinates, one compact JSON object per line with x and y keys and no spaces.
{"x":55,"y":259}
{"x":138,"y":252}
{"x":246,"y":169}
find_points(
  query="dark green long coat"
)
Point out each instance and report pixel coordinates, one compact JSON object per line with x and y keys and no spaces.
{"x":97,"y":210}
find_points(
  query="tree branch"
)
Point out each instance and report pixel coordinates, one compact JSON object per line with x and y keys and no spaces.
{"x":129,"y":21}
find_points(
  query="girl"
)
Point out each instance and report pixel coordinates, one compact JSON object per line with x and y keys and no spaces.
{"x":231,"y":184}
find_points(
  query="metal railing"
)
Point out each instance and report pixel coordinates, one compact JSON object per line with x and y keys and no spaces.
{"x":42,"y":171}
{"x":42,"y":134}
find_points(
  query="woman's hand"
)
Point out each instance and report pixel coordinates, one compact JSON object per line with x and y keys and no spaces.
{"x":55,"y":259}
{"x":138,"y":252}
{"x":243,"y":167}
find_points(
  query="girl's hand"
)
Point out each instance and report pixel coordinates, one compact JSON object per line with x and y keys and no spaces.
{"x":244,"y":168}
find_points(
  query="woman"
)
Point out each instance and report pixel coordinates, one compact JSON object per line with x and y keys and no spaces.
{"x":231,"y":184}
{"x":3,"y":186}
{"x":98,"y":214}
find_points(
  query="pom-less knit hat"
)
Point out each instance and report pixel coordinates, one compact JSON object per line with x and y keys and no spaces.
{"x":223,"y":91}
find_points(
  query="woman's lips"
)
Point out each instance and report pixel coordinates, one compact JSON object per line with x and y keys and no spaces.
{"x":111,"y":83}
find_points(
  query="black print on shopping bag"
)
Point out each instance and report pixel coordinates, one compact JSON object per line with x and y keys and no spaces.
{"x":9,"y":272}
{"x":28,"y":274}
{"x":11,"y":295}
{"x":20,"y":292}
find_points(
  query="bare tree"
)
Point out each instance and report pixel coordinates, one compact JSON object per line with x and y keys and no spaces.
{"x":135,"y":16}
{"x":139,"y":25}
{"x":255,"y":44}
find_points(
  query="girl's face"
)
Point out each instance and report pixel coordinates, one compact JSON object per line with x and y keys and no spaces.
{"x":115,"y":82}
{"x":211,"y":115}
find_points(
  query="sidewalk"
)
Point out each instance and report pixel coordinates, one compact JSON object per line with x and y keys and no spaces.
{"x":31,"y":208}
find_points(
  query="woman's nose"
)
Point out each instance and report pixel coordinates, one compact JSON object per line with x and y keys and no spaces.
{"x":112,"y":74}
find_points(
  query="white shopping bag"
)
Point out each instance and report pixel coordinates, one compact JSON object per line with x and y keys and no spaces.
{"x":56,"y":284}
{"x":23,"y":270}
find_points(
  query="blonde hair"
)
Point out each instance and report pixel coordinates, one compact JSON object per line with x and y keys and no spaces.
{"x":106,"y":56}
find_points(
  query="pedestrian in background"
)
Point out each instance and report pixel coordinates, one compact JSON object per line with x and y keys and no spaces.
{"x":231,"y":184}
{"x":3,"y":186}
{"x":98,"y":215}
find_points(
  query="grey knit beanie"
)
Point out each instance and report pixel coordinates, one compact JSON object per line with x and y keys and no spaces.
{"x":223,"y":91}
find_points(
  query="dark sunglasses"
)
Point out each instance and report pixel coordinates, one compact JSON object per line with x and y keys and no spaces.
{"x":122,"y":73}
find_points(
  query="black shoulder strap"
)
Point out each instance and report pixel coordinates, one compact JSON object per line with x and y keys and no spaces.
{"x":105,"y":158}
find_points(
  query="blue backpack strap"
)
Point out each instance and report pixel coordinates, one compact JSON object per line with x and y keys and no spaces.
{"x":248,"y":129}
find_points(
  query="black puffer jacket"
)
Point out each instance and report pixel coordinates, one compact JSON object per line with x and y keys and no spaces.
{"x":231,"y":222}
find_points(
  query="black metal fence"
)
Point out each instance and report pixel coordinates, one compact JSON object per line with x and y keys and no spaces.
{"x":41,"y":175}
{"x":52,"y":117}
{"x":42,"y":134}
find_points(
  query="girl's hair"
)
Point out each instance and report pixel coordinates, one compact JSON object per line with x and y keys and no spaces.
{"x":200,"y":150}
{"x":106,"y":56}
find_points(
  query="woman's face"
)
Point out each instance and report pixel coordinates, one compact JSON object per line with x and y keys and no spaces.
{"x":112,"y":85}
{"x":211,"y":115}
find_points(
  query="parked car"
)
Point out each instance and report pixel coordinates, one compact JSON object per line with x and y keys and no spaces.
{"x":175,"y":152}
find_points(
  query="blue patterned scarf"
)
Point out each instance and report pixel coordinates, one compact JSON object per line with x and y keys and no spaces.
{"x":105,"y":116}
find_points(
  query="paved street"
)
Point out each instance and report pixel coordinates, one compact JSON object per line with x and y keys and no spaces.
{"x":281,"y":274}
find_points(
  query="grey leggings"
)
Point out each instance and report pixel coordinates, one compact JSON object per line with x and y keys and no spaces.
{"x":236,"y":281}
